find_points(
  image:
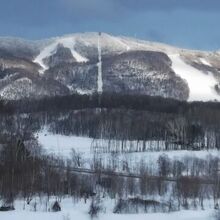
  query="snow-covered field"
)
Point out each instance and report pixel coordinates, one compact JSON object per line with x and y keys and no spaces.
{"x":62,"y":146}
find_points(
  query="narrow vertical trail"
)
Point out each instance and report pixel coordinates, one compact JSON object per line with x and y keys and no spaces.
{"x":99,"y":82}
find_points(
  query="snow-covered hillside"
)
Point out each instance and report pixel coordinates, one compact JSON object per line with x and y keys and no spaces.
{"x":97,"y":62}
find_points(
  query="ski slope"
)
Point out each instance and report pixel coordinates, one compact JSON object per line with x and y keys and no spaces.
{"x":99,"y":80}
{"x":201,"y":85}
{"x":49,"y":50}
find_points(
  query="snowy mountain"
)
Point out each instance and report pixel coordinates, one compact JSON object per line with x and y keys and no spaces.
{"x":98,"y":62}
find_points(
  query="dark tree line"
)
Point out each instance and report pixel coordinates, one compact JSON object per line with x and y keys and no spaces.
{"x":105,"y":100}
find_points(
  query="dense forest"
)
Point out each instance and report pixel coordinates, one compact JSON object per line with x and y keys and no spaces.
{"x":180,"y":125}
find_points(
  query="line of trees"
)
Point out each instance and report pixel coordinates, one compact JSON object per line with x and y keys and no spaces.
{"x":107,"y":100}
{"x":124,"y":130}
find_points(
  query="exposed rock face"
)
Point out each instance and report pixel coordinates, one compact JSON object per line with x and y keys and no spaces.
{"x":68,"y":65}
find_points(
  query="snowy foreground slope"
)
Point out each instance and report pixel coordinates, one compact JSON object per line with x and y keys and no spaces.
{"x":85,"y":63}
{"x":79,"y":211}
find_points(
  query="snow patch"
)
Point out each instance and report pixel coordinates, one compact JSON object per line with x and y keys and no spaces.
{"x":84,"y":92}
{"x":120,"y":41}
{"x":205,"y":62}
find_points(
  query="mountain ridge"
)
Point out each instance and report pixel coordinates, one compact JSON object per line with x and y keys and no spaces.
{"x":70,"y":64}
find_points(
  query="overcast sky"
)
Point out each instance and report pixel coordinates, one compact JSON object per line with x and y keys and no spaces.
{"x":185,"y":23}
